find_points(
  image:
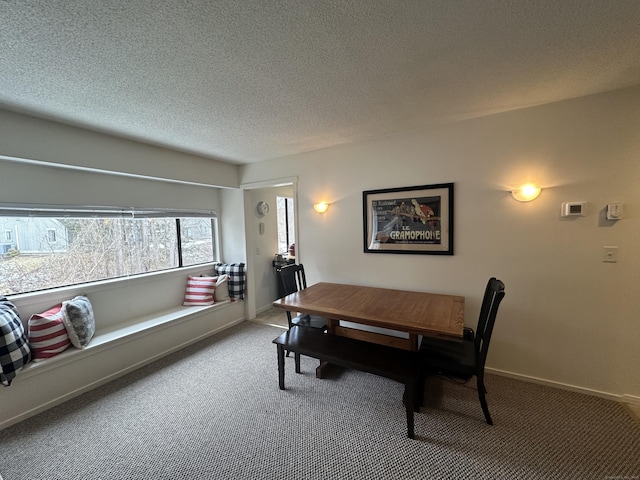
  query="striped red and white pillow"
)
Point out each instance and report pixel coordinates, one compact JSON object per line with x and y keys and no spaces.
{"x":47,"y":334}
{"x":200,"y":291}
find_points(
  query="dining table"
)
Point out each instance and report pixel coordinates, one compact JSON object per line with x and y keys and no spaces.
{"x":386,"y":316}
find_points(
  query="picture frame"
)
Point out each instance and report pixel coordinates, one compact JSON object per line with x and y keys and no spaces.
{"x":409,"y":220}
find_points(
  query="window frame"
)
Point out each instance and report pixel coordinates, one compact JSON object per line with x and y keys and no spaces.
{"x":72,"y":212}
{"x":289,"y":226}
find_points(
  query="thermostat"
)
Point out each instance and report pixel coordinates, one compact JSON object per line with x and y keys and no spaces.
{"x":574,"y":209}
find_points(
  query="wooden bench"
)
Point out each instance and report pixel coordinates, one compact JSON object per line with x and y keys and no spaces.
{"x":394,"y":363}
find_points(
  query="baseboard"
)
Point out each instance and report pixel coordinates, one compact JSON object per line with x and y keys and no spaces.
{"x":630,"y":399}
{"x":264,"y":309}
{"x":562,"y":386}
{"x":68,"y":396}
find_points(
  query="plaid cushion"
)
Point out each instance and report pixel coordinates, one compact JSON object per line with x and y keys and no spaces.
{"x":237,"y":278}
{"x":14,"y":346}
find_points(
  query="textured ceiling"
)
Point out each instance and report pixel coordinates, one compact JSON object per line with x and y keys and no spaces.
{"x":248,"y":80}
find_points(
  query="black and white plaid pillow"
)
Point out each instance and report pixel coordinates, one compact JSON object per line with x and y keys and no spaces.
{"x":237,"y":278}
{"x":14,"y":346}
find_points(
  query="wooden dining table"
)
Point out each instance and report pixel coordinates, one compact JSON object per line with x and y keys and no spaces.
{"x":407,"y":312}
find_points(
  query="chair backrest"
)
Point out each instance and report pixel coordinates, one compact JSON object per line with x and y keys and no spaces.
{"x":493,"y":295}
{"x":292,"y":279}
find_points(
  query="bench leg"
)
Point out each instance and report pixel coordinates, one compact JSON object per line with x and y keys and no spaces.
{"x":280,"y":366}
{"x":296,"y":357}
{"x":321,"y":369}
{"x":409,"y":400}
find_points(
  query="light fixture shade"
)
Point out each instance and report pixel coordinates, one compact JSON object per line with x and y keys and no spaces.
{"x":526,"y":193}
{"x":321,"y":207}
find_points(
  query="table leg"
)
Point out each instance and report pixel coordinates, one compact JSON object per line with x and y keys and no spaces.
{"x":413,"y":342}
{"x":280,"y":366}
{"x":331,"y":324}
{"x":321,"y":370}
{"x":409,"y":400}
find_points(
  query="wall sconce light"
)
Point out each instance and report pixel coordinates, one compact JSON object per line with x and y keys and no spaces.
{"x":321,"y":207}
{"x":526,"y":193}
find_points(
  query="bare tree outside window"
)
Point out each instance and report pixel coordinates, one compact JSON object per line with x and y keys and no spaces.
{"x":52,"y":252}
{"x":285,"y":214}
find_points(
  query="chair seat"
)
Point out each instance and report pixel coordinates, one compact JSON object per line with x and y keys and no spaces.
{"x":306,"y":320}
{"x":465,"y":358}
{"x":450,"y":357}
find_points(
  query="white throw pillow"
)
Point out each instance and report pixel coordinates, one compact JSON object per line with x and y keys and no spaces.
{"x":222,"y":288}
{"x":77,"y":315}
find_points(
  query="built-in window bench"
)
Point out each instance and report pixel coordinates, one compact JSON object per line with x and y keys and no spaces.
{"x":126,"y":331}
{"x":138,"y":320}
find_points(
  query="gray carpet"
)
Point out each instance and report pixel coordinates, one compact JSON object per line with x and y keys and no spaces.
{"x":214,"y":411}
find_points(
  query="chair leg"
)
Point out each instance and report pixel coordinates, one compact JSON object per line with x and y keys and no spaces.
{"x":280,"y":367}
{"x":409,"y":396}
{"x":483,"y":401}
{"x":297,"y":360}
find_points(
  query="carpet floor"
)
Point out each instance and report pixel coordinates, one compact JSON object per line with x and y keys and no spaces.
{"x":214,"y":411}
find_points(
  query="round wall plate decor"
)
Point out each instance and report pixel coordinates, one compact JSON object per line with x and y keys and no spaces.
{"x":262,"y":208}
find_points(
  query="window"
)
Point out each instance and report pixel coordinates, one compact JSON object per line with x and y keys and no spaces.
{"x":286,"y":223}
{"x":7,"y":236}
{"x":58,"y":248}
{"x":196,"y":239}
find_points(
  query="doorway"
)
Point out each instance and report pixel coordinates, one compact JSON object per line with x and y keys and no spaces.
{"x":268,"y":232}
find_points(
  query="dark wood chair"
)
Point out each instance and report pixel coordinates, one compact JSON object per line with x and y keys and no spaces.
{"x":292,"y":279}
{"x":466,"y":358}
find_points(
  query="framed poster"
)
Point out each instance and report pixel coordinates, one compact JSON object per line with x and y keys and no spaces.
{"x":415,"y":220}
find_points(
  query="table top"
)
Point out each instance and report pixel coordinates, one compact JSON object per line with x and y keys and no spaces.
{"x":417,"y":313}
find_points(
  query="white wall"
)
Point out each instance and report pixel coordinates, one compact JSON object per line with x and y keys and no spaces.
{"x":265,"y":246}
{"x":567,"y":316}
{"x":36,"y":139}
{"x":49,"y":185}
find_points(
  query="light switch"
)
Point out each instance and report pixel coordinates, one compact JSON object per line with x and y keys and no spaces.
{"x":610,"y":254}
